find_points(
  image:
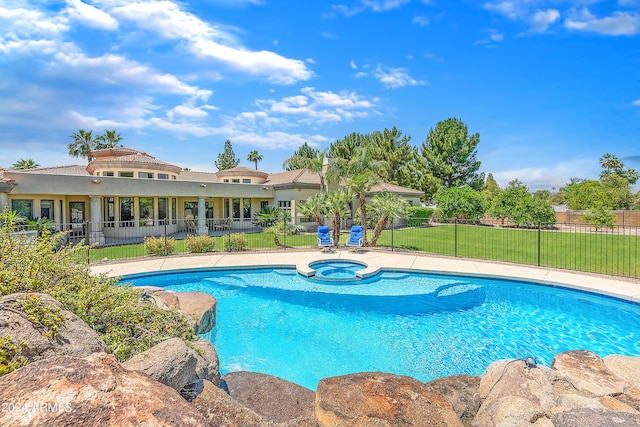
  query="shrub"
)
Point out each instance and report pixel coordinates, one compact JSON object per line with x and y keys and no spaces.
{"x":419,"y":215}
{"x":200,"y":244}
{"x":235,"y":242}
{"x":159,"y":245}
{"x":121,"y":317}
{"x":599,"y":217}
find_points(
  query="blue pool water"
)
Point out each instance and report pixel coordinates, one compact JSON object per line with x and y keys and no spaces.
{"x":336,"y":270}
{"x":278,"y":322}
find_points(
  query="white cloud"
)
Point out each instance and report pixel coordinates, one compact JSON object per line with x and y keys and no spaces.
{"x":394,"y":78}
{"x":513,"y":9}
{"x":31,"y":23}
{"x":543,"y":18}
{"x":117,"y":70}
{"x":353,"y":65}
{"x":372,"y":5}
{"x":88,"y":15}
{"x":636,"y":102}
{"x":209,"y":41}
{"x":420,"y":20}
{"x":619,"y":23}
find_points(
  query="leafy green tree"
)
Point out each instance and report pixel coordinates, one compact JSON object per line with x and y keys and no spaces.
{"x":109,"y":139}
{"x":611,"y":192}
{"x":599,"y":217}
{"x":460,"y":202}
{"x":449,"y":156}
{"x":25,"y":164}
{"x":83,"y":144}
{"x":517,"y":205}
{"x":613,"y":166}
{"x":227,"y":159}
{"x":346,"y":147}
{"x":300,"y":158}
{"x":384,"y":207}
{"x":255,"y":157}
{"x":490,"y":188}
{"x":391,"y":148}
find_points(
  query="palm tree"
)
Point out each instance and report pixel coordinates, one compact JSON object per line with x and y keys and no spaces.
{"x":255,"y":157}
{"x":82,"y":145}
{"x":109,"y":139}
{"x":314,"y":206}
{"x":386,"y":206}
{"x":25,"y":164}
{"x":337,"y":205}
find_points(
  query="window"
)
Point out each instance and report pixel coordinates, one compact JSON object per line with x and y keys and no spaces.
{"x":163,"y":176}
{"x":190,"y":210}
{"x":173,"y":177}
{"x":236,"y":180}
{"x":46,"y":209}
{"x":76,"y":210}
{"x":23,"y":207}
{"x":263,"y":204}
{"x":146,"y":210}
{"x":174,"y":210}
{"x":109,"y":211}
{"x":236,"y":208}
{"x":226,"y":208}
{"x":246,"y":208}
{"x":125,"y":174}
{"x":209,"y":209}
{"x":126,"y":211}
{"x":148,"y":175}
{"x":284,"y":204}
{"x":163,"y":209}
{"x":225,"y":180}
{"x":246,"y":180}
{"x":107,"y":173}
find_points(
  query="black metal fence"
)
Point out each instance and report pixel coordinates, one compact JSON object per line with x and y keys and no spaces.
{"x":580,"y":247}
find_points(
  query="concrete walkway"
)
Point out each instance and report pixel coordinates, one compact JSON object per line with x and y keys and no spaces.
{"x":375,"y":260}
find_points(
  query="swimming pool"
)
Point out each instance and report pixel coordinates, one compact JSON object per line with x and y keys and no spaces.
{"x":278,"y":322}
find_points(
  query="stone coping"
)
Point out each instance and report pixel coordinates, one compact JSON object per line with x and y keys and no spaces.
{"x":376,"y":260}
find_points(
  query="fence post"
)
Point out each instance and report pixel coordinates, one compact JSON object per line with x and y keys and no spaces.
{"x":455,"y":237}
{"x":165,"y":236}
{"x":539,"y":240}
{"x":392,"y":227}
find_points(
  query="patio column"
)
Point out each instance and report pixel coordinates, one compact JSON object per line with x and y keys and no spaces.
{"x":95,"y":226}
{"x":202,"y":217}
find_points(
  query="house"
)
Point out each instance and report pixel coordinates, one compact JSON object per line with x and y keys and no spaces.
{"x":123,"y":191}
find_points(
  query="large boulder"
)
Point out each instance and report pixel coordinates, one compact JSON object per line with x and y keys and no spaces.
{"x":584,"y":417}
{"x":272,"y":397}
{"x":588,"y":373}
{"x":174,"y":363}
{"x":75,"y":337}
{"x":223,"y":411}
{"x":92,"y":391}
{"x":380,"y":399}
{"x":198,"y":306}
{"x":462,"y":392}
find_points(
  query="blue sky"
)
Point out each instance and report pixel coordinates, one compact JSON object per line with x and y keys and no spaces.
{"x":550,"y":85}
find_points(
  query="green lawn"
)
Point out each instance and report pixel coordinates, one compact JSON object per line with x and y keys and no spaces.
{"x":591,"y":252}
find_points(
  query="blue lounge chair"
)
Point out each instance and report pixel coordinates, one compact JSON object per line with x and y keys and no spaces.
{"x":324,"y":238}
{"x":355,"y":238}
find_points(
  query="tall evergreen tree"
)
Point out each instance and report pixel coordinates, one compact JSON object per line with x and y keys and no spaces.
{"x":227,"y":159}
{"x":391,"y":148}
{"x":300,"y":158}
{"x":449,"y":155}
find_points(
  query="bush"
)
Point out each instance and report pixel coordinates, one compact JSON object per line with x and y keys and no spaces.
{"x":235,"y":242}
{"x":11,"y":357}
{"x":599,"y":217}
{"x":122,"y":318}
{"x":159,"y":245}
{"x":200,"y":244}
{"x":419,"y":216}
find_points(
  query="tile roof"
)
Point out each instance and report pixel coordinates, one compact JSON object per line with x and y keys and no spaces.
{"x":392,"y":188}
{"x":299,"y":176}
{"x":198,"y":176}
{"x":58,"y":170}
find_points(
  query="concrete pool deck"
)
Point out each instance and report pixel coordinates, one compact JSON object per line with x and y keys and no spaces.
{"x":375,"y":260}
